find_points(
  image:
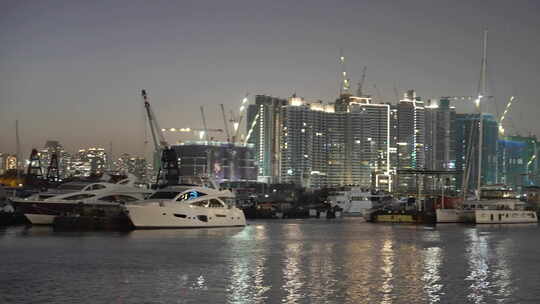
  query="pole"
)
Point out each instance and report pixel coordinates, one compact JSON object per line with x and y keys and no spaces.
{"x":18,"y":147}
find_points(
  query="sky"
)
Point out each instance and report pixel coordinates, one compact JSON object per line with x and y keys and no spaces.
{"x":73,"y":70}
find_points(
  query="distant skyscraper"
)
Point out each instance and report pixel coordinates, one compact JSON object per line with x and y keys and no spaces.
{"x":303,"y":143}
{"x":266,"y":134}
{"x":64,"y":159}
{"x":91,"y":161}
{"x":410,"y":139}
{"x":440,"y":141}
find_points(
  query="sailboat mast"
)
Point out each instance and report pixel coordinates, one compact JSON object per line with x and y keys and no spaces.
{"x":481,"y":93}
{"x":18,"y":152}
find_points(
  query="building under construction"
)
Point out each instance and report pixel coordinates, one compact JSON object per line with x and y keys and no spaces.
{"x":219,"y":160}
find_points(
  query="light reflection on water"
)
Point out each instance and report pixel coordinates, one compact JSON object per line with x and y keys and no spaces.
{"x":311,"y":261}
{"x":477,"y":257}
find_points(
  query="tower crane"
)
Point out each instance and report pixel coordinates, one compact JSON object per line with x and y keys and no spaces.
{"x":204,"y":123}
{"x":360,"y":91}
{"x":237,"y":122}
{"x":157,"y":136}
{"x":168,"y":171}
{"x":225,"y":123}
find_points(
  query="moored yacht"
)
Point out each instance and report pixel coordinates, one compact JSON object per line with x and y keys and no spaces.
{"x":354,"y":201}
{"x":186,"y":207}
{"x":497,"y":205}
{"x":41,"y":208}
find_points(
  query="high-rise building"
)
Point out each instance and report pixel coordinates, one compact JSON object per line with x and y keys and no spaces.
{"x":367,"y":142}
{"x":518,"y":161}
{"x":440,"y":140}
{"x":64,"y":159}
{"x":303,"y":143}
{"x":467,"y":149}
{"x":91,"y":161}
{"x":265,"y":135}
{"x":346,"y":143}
{"x":410,"y":140}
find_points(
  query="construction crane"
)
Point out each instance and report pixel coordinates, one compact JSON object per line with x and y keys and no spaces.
{"x":360,"y":91}
{"x":204,"y":124}
{"x":165,"y":158}
{"x":225,"y":123}
{"x":157,"y":136}
{"x":503,"y":116}
{"x":237,"y":121}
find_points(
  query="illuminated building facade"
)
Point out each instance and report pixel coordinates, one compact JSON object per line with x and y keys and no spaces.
{"x":410,"y":139}
{"x":303,"y":143}
{"x":265,"y":135}
{"x":440,"y":151}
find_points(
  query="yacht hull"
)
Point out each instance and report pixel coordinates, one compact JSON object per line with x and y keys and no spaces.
{"x":505,"y":217}
{"x":183,"y":216}
{"x":448,"y":216}
{"x":40,"y":219}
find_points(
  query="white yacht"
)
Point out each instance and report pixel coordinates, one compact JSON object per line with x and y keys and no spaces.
{"x":41,"y":208}
{"x":354,"y":201}
{"x":186,"y":207}
{"x":496,"y":206}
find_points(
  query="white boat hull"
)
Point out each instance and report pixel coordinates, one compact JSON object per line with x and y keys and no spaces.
{"x":40,"y":219}
{"x":183,"y":216}
{"x":505,"y":216}
{"x":448,"y":216}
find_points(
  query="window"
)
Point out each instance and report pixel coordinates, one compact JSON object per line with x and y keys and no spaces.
{"x":98,"y":187}
{"x":190,"y":195}
{"x":200,"y":204}
{"x":214,"y":203}
{"x":78,"y":197}
{"x":118,"y":198}
{"x":70,"y":186}
{"x":164,"y":195}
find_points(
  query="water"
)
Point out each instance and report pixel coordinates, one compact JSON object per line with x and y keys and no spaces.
{"x":295,"y":261}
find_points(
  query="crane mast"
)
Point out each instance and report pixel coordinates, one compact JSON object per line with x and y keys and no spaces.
{"x":204,"y":124}
{"x":157,"y":136}
{"x":225,"y":123}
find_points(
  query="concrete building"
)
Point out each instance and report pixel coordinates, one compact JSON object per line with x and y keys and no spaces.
{"x":410,"y":140}
{"x":440,"y":142}
{"x":225,"y":162}
{"x":303,"y":143}
{"x":265,"y":135}
{"x":518,"y":161}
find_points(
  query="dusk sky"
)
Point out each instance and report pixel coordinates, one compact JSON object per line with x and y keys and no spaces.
{"x":72,"y":70}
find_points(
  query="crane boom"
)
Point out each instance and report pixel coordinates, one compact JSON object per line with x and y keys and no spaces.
{"x":360,"y":91}
{"x":239,"y":121}
{"x":204,"y":123}
{"x":503,"y":116}
{"x":225,"y":123}
{"x":157,"y":136}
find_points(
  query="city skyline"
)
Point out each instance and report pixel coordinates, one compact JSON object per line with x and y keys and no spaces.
{"x":85,"y":72}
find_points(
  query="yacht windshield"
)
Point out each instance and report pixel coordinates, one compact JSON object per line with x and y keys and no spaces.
{"x":71,"y":187}
{"x":164,"y":195}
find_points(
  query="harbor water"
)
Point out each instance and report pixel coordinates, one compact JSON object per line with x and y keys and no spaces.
{"x":274,"y":261}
